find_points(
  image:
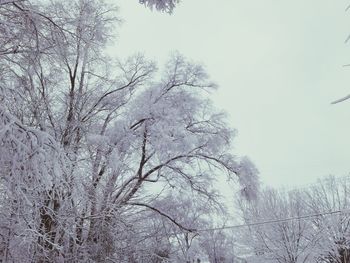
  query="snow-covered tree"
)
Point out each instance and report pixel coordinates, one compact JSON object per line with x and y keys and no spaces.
{"x":218,"y":246}
{"x":329,"y":198}
{"x":86,"y":140}
{"x":277,"y":231}
{"x":300,"y":226}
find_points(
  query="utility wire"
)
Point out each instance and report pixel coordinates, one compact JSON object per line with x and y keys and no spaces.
{"x":274,"y":221}
{"x":280,"y":220}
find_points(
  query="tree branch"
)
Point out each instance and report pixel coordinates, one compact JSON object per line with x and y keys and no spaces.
{"x":165,"y":215}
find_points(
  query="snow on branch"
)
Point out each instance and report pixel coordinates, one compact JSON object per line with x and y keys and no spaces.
{"x":27,"y":154}
{"x":161,"y":5}
{"x":341,"y":100}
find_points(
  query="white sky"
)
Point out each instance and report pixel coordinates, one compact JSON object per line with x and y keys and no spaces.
{"x":278,"y":64}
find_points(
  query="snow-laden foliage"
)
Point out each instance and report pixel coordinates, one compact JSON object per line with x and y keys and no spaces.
{"x":28,"y":151}
{"x":33,"y":182}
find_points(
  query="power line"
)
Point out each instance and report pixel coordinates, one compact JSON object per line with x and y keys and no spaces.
{"x":274,"y":221}
{"x":289,"y":218}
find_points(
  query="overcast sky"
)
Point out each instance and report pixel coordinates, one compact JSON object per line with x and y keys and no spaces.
{"x":278,"y":64}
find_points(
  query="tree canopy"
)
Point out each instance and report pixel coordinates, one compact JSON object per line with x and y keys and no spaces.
{"x":93,"y":147}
